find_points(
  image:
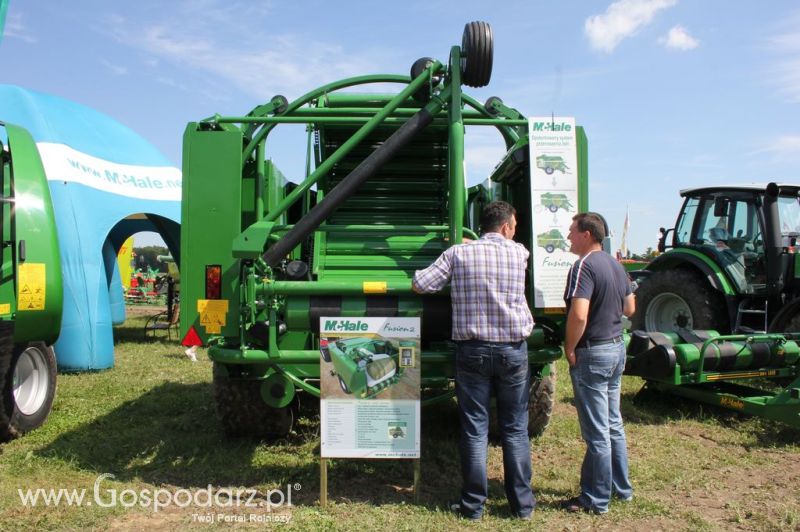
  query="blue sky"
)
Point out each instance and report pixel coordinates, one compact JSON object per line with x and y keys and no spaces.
{"x":672,"y":93}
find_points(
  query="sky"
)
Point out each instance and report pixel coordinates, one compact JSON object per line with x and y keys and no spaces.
{"x":671,"y":93}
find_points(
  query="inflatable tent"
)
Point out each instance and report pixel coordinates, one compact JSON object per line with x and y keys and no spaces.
{"x":107,"y":183}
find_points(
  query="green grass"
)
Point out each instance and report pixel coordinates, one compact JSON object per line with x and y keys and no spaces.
{"x":150,"y":421}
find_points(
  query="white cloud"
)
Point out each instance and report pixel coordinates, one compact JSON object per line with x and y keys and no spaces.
{"x":678,"y":38}
{"x":15,"y":28}
{"x":232,"y":49}
{"x":621,"y":20}
{"x":783,"y":148}
{"x":785,"y":72}
{"x":114,"y":68}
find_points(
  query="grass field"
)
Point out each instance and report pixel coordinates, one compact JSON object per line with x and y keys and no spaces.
{"x":150,"y":422}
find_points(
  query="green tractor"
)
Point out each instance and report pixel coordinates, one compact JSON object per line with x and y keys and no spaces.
{"x":731,"y":268}
{"x":382,"y":196}
{"x":552,"y":202}
{"x":30,"y":286}
{"x":551,"y":241}
{"x":551,"y":163}
{"x":731,"y":265}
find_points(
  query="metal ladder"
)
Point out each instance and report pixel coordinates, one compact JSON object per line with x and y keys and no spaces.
{"x":744,"y":309}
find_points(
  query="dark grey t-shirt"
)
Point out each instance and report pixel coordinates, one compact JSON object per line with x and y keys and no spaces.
{"x":603,"y":281}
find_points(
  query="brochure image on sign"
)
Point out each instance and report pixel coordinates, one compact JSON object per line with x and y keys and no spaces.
{"x":364,"y":367}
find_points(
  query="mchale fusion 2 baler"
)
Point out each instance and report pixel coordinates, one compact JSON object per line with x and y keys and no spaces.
{"x":265,"y":258}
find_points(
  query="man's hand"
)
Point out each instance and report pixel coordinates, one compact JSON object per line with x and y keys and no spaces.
{"x":571,"y":358}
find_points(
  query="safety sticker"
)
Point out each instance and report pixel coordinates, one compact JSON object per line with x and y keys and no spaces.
{"x":5,"y":308}
{"x":32,"y":288}
{"x":213,"y":314}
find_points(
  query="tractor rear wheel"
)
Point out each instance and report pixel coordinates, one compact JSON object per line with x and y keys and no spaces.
{"x":477,"y":54}
{"x":678,"y":299}
{"x":28,"y":387}
{"x":242,"y":411}
{"x":540,"y":404}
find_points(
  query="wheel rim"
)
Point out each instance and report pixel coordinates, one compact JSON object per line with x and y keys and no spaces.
{"x":667,"y":312}
{"x":30,"y":381}
{"x":548,"y":170}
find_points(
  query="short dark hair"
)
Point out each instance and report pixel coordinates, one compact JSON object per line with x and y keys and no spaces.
{"x":592,"y":222}
{"x":495,"y":214}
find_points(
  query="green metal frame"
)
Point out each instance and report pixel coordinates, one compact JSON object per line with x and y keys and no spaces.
{"x":733,"y":387}
{"x":236,"y":205}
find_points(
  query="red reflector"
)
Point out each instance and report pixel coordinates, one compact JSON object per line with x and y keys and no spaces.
{"x":214,"y":282}
{"x":191,"y":338}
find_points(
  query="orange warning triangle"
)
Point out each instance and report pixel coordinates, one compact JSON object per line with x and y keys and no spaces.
{"x":191,"y":338}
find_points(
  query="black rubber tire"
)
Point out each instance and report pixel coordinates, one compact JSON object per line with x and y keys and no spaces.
{"x":549,"y":248}
{"x":706,"y":306}
{"x":326,"y":354}
{"x":423,"y":95}
{"x":541,"y":402}
{"x":283,"y":103}
{"x":548,"y":170}
{"x":242,"y":411}
{"x":477,"y":54}
{"x":343,"y":386}
{"x":552,"y":208}
{"x":16,"y":419}
{"x":489,"y":105}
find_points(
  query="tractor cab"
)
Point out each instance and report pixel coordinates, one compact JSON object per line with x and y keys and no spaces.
{"x":732,"y":251}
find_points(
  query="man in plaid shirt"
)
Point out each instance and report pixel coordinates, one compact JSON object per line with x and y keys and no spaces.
{"x":491,"y":321}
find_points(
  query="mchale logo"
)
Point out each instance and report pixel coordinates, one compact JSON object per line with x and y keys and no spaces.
{"x":552,"y":126}
{"x":344,"y":326}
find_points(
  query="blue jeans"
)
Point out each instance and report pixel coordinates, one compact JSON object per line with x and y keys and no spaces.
{"x":482,"y":367}
{"x":596,"y":379}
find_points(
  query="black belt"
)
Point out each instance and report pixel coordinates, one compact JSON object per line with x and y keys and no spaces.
{"x":604,"y":341}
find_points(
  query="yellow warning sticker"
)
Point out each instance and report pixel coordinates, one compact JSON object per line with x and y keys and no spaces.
{"x":374,"y":287}
{"x":32,"y":288}
{"x":213,"y":314}
{"x":5,"y":308}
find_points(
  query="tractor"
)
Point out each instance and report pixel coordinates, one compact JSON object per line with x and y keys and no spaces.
{"x":383,"y":195}
{"x":731,"y":265}
{"x":718,"y":311}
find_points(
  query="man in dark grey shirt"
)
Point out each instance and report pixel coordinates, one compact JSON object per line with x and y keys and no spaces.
{"x":597,"y":295}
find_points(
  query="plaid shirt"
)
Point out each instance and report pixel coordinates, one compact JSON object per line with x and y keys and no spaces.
{"x":487,"y":288}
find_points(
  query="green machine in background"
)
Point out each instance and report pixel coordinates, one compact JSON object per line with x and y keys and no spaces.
{"x":30,"y":286}
{"x":384,"y":194}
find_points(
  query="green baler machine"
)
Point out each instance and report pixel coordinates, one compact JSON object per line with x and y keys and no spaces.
{"x":384,"y":194}
{"x":30,"y":286}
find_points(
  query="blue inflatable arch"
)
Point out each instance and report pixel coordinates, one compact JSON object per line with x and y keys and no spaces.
{"x":107,"y":184}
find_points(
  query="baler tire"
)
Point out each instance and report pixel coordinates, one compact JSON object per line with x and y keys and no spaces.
{"x":548,"y":170}
{"x":33,"y":367}
{"x":477,"y":53}
{"x":242,"y":411}
{"x":489,"y":105}
{"x":423,"y":95}
{"x":685,"y":291}
{"x":343,"y":386}
{"x":541,"y":402}
{"x":326,"y":355}
{"x":550,"y":248}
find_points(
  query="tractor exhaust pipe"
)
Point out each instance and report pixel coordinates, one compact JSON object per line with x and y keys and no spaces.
{"x":308,"y":223}
{"x":772,"y":241}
